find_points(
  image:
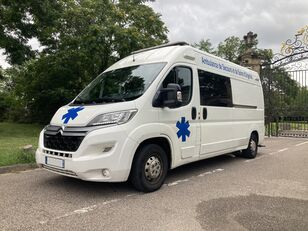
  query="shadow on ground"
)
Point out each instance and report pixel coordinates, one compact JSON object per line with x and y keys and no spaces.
{"x":76,"y":187}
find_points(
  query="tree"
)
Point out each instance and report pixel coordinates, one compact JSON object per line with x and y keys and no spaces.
{"x":55,"y":23}
{"x":9,"y":105}
{"x":205,"y":45}
{"x":231,"y":49}
{"x":84,"y":40}
{"x":300,"y":102}
{"x":21,"y":21}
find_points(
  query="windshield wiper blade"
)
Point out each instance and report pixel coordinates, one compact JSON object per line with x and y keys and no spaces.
{"x":108,"y":100}
{"x":78,"y":100}
{"x":98,"y":101}
{"x":132,"y":97}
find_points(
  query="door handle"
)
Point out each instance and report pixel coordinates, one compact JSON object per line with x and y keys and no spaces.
{"x":204,"y":113}
{"x":193,"y":113}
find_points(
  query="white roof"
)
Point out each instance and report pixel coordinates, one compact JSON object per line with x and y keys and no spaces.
{"x":187,"y":54}
{"x":165,"y":54}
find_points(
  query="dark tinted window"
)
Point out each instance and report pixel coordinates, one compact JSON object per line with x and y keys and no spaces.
{"x":183,"y":77}
{"x":215,"y":90}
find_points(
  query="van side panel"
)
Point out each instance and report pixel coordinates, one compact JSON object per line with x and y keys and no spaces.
{"x":248,"y":114}
{"x":246,"y":94}
{"x":217,"y":130}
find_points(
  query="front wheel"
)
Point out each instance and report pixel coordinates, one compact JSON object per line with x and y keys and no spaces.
{"x":252,"y":149}
{"x":149,"y":168}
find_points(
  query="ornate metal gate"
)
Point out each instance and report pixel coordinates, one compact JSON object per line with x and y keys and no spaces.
{"x":285,"y":86}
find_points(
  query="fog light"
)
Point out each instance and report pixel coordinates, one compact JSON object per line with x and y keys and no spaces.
{"x":106,"y":173}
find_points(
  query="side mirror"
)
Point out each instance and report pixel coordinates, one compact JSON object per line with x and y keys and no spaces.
{"x":168,"y":97}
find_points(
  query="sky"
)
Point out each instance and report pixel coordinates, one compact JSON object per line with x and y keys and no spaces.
{"x":274,"y":21}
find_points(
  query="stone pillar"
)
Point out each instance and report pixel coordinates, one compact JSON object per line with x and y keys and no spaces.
{"x":250,"y":58}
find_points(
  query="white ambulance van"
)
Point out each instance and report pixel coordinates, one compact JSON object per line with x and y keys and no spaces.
{"x":152,"y":111}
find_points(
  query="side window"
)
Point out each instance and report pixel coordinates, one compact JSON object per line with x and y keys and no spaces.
{"x":215,"y":90}
{"x":183,"y":77}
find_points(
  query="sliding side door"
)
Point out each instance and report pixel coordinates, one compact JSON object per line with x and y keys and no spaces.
{"x":216,"y":109}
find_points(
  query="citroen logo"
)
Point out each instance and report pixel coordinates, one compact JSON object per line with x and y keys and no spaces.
{"x":61,"y":130}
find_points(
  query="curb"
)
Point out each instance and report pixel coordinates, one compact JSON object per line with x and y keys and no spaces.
{"x":17,"y":168}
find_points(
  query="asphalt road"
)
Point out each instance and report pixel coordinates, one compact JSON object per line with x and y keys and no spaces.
{"x":222,"y":193}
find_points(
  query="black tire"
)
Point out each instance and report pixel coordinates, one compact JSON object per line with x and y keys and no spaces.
{"x":252,"y":149}
{"x":149,"y":169}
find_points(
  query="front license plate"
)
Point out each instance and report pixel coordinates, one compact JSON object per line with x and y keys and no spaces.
{"x":54,"y":162}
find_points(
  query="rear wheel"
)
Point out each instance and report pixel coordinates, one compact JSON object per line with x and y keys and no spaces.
{"x":149,"y":168}
{"x":252,"y":149}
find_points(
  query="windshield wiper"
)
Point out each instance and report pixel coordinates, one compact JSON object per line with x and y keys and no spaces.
{"x":98,"y":101}
{"x":78,"y":100}
{"x":107,"y":100}
{"x":132,"y":97}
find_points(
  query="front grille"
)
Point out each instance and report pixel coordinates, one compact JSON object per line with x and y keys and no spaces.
{"x":57,"y":170}
{"x":61,"y":142}
{"x":65,"y":138}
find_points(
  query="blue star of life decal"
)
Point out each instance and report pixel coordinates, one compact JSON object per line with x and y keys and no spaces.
{"x":71,"y":114}
{"x":183,"y":129}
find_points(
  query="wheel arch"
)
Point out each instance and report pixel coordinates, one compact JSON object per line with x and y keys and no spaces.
{"x":161,"y":141}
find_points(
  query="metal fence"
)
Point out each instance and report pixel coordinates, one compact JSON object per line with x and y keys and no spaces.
{"x":286,"y":101}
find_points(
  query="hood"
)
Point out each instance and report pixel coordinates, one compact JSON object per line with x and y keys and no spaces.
{"x":82,"y":115}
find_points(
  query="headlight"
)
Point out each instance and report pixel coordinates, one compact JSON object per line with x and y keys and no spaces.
{"x":119,"y":117}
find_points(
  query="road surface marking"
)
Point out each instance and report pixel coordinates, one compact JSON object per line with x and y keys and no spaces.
{"x":80,"y":211}
{"x":77,"y":211}
{"x":85,"y":210}
{"x":200,"y":175}
{"x":272,"y":153}
{"x":302,"y":143}
{"x":282,"y":150}
{"x":211,"y":172}
{"x":177,"y":182}
{"x":111,"y":201}
{"x":205,"y":173}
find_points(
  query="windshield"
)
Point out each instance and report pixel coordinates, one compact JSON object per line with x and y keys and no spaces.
{"x":120,"y":85}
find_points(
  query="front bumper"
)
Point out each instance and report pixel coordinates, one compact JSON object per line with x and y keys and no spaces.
{"x":104,"y":155}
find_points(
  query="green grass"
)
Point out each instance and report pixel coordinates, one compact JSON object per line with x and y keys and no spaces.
{"x":12,"y":138}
